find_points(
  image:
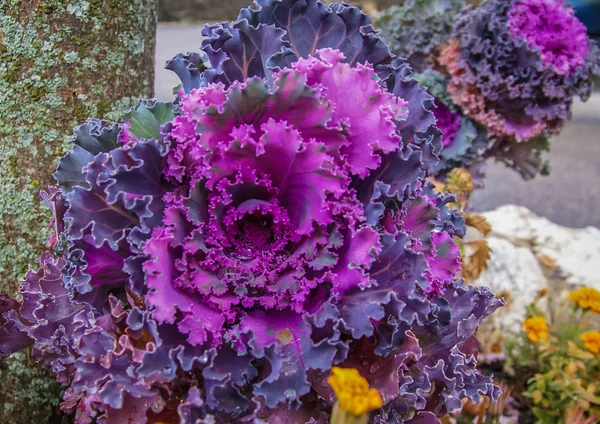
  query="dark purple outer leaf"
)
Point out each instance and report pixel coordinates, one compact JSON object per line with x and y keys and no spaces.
{"x":275,"y":35}
{"x":224,"y":377}
{"x":525,"y":157}
{"x":450,"y":220}
{"x":124,"y":191}
{"x":51,"y":318}
{"x":310,"y":25}
{"x":397,"y":178}
{"x":90,"y":139}
{"x":11,"y":338}
{"x":424,"y":418}
{"x":312,"y":411}
{"x":188,"y":68}
{"x":238,"y":51}
{"x":396,"y":271}
{"x":399,"y":81}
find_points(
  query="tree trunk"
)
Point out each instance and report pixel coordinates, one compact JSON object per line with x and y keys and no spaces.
{"x":61,"y":62}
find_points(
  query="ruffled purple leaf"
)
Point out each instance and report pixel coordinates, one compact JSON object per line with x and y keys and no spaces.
{"x":449,"y":219}
{"x":51,"y":318}
{"x":398,"y":178}
{"x":395,"y":272}
{"x":191,"y":411}
{"x":399,"y":81}
{"x":124,"y":190}
{"x":11,"y":338}
{"x":311,"y":25}
{"x":424,"y":418}
{"x":225,"y":377}
{"x":189,"y":68}
{"x":238,"y":51}
{"x":443,"y":360}
{"x":287,"y":381}
{"x":89,"y":140}
{"x":312,"y":411}
{"x":292,"y":346}
{"x":91,"y":267}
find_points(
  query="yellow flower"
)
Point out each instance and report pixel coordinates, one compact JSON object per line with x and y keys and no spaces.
{"x":353,"y":392}
{"x":536,"y":328}
{"x":591,"y":341}
{"x":586,"y":298}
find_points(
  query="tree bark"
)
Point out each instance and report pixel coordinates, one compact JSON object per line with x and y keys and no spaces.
{"x":61,"y":62}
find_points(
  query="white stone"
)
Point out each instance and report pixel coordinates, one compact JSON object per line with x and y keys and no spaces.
{"x":576,"y":251}
{"x":516,"y":270}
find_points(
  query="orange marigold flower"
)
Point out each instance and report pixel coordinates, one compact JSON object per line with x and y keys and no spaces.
{"x":591,"y":341}
{"x":586,"y":298}
{"x":536,"y":328}
{"x":353,"y":393}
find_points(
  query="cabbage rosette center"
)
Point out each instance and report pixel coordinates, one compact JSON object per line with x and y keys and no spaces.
{"x":262,"y":215}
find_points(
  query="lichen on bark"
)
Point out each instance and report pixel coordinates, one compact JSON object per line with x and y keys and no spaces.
{"x":29,"y":394}
{"x":61,"y":62}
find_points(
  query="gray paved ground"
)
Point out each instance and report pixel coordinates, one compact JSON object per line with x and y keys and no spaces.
{"x":569,"y":196}
{"x":172,"y":39}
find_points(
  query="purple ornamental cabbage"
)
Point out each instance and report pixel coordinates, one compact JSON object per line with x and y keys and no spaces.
{"x":213,"y":259}
{"x":517,"y":65}
{"x":418,"y":30}
{"x":510,"y":68}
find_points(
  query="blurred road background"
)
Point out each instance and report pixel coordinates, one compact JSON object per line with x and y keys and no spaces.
{"x":569,"y":196}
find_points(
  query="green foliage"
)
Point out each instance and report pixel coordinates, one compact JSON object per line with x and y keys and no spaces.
{"x":416,"y":29}
{"x":146,"y":119}
{"x":559,"y":373}
{"x":29,"y":394}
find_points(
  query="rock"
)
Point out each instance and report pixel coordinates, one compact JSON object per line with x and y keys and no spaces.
{"x":574,"y":251}
{"x":516,"y":271}
{"x":531,"y":253}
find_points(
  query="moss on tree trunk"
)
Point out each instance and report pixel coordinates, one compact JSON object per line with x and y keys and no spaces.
{"x":61,"y":62}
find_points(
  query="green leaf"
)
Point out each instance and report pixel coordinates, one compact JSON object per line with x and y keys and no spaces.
{"x":147,"y":117}
{"x":541,"y":415}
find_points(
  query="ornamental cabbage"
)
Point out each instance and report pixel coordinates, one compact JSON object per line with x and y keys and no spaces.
{"x":214,"y":258}
{"x":511,"y":69}
{"x":516,"y":66}
{"x":418,"y":28}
